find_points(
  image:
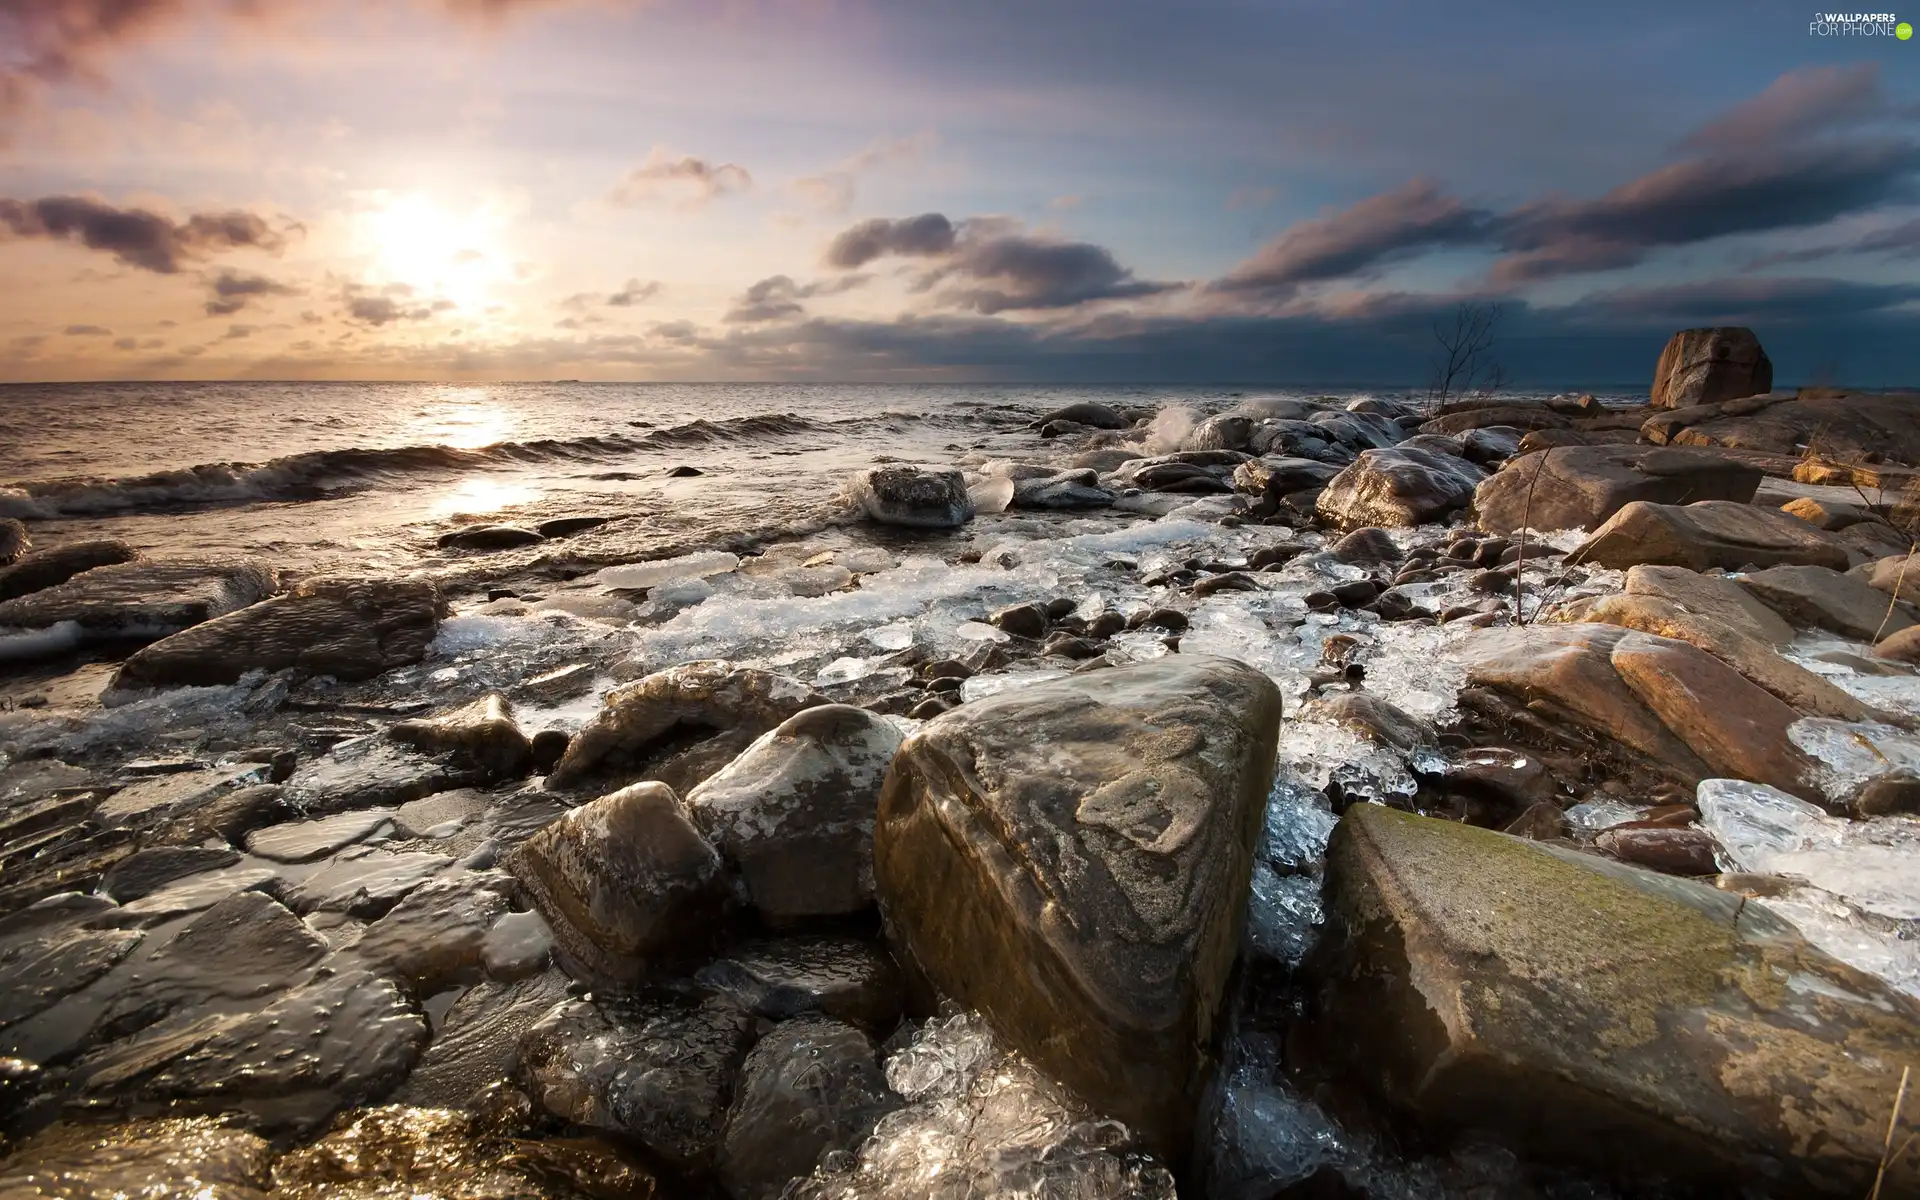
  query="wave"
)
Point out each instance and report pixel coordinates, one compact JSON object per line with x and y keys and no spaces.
{"x":317,"y":474}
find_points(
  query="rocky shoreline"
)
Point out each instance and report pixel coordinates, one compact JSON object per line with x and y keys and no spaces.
{"x":1320,"y":798}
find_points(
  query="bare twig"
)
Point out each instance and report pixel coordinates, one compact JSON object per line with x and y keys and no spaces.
{"x":1899,"y":581}
{"x":1526,"y":522}
{"x":1464,"y":364}
{"x":1893,"y":1123}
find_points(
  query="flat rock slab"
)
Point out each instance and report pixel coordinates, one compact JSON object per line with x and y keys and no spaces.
{"x":1593,"y":1009}
{"x":43,"y":569}
{"x":1820,"y":598}
{"x":145,"y":599}
{"x":1712,"y":596}
{"x":303,"y":841}
{"x":364,"y":882}
{"x":1712,"y":533}
{"x":1579,"y":487}
{"x":165,"y":797}
{"x":1129,"y":798}
{"x":479,"y":1040}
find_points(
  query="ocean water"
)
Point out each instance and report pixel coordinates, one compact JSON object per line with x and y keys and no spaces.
{"x":369,"y":475}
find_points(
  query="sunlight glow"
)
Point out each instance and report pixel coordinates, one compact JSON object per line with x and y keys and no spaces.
{"x":438,"y":251}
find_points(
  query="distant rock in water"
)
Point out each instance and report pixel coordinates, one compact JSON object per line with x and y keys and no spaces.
{"x":1707,"y":366}
{"x":488,"y":537}
{"x":41,"y":569}
{"x":1095,"y":416}
{"x":13,"y":540}
{"x":561,"y":527}
{"x":684,"y":472}
{"x":145,"y":599}
{"x":344,"y":626}
{"x":915,"y":497}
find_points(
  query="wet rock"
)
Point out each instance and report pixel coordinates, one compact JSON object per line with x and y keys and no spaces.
{"x":395,"y":1151}
{"x":794,"y":813}
{"x":1398,"y":488}
{"x":478,"y":1042}
{"x":1708,"y":366}
{"x":1279,"y":476}
{"x":1885,"y":796}
{"x":1750,"y":656}
{"x":1540,"y":822}
{"x":659,"y":1073}
{"x":684,"y":472}
{"x":145,"y":599}
{"x":560,"y":527}
{"x":483,"y":731}
{"x":1580,"y":487}
{"x":1602,"y":997}
{"x":1157,"y":773}
{"x":229,"y":816}
{"x":1367,"y":547}
{"x":1491,"y":445}
{"x":1711,"y":596}
{"x":1096,"y":416}
{"x":1355,"y":592}
{"x":625,"y":882}
{"x":915,"y":497}
{"x":488,"y":537}
{"x":1712,"y":533}
{"x":303,"y":841}
{"x":40,"y":966}
{"x":364,"y":882}
{"x":680,"y":725}
{"x":14,"y":541}
{"x":1226,"y":431}
{"x":349,"y":627}
{"x":841,"y":977}
{"x":1524,"y":417}
{"x":1900,"y":647}
{"x":1274,"y":556}
{"x":437,"y":934}
{"x":441,"y":814}
{"x":1378,"y":720}
{"x":1669,"y":851}
{"x":344,"y":1039}
{"x":1170,"y":619}
{"x":371,"y":772}
{"x":42,"y":569}
{"x":200,"y":1158}
{"x":1228,"y":581}
{"x":931,"y":707}
{"x":548,"y":747}
{"x":166,"y":797}
{"x":146,"y":871}
{"x":810,"y":1087}
{"x":1062,"y":490}
{"x":1826,"y":599}
{"x":1021,"y":620}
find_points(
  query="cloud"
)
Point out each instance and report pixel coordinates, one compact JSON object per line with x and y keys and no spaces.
{"x":692,"y":182}
{"x":126,"y":343}
{"x":1766,"y":303}
{"x":635,"y":292}
{"x":1411,"y":219}
{"x":925,"y":236}
{"x":87,"y":331}
{"x":1799,"y":103}
{"x":137,"y":236}
{"x":1900,"y":241}
{"x":831,"y":192}
{"x":392,"y":303}
{"x":230,"y":291}
{"x":778,"y":297}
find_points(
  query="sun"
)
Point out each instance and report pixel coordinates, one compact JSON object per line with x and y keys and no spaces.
{"x":438,"y":251}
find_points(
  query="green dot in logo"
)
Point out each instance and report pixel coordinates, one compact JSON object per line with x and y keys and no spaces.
{"x":1903,"y":31}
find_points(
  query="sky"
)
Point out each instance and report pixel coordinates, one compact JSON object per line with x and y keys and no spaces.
{"x":1209,"y":191}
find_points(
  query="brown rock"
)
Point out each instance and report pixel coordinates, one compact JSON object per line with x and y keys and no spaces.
{"x":1669,"y":851}
{"x":1898,"y":575}
{"x":1711,"y":596}
{"x":145,"y":599}
{"x":1874,"y":540}
{"x":483,"y":731}
{"x":56,"y":564}
{"x":1524,"y":417}
{"x":1579,"y":487}
{"x":1398,"y":488}
{"x":1824,"y":599}
{"x":1901,"y":647}
{"x":1073,"y":860}
{"x":1714,"y":533}
{"x":14,"y":541}
{"x":1707,"y":366}
{"x":1830,"y":515}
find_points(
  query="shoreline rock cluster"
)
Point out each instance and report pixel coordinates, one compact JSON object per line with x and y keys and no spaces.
{"x":1143,"y":873}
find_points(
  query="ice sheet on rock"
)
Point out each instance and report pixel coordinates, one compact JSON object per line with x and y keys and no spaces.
{"x":1888,"y":949}
{"x":979,"y":687}
{"x":176,"y":718}
{"x":1897,"y":693}
{"x":846,"y":670}
{"x":1873,"y":865}
{"x":982,"y":1122}
{"x":650,"y":574}
{"x":1594,"y":815}
{"x":977,"y":631}
{"x":896,"y":635}
{"x":1852,"y":752}
{"x":1266,"y":1135}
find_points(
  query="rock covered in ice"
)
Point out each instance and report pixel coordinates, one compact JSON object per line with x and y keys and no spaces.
{"x":843,"y":977}
{"x":793,"y":814}
{"x":145,"y":599}
{"x":1398,"y":487}
{"x":651,"y":574}
{"x":484,"y":732}
{"x":1874,"y":865}
{"x":199,"y":1157}
{"x":57,"y":564}
{"x":916,"y":497}
{"x":624,"y":882}
{"x":1130,"y":797}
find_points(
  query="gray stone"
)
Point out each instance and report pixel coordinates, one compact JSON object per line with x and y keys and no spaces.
{"x":146,"y":871}
{"x":55,"y":565}
{"x":914,"y":497}
{"x":146,"y":599}
{"x":1820,"y":598}
{"x":1398,"y":488}
{"x":842,"y":977}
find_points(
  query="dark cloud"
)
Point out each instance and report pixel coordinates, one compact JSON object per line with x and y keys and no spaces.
{"x":1411,"y":219}
{"x":1897,"y":242}
{"x":126,"y":343}
{"x":635,"y":292}
{"x":391,"y":304}
{"x":230,"y":291}
{"x":928,"y":235}
{"x":87,"y":331}
{"x":1760,"y":302}
{"x":778,"y":297}
{"x":694,"y":182}
{"x":137,"y":236}
{"x":1799,"y":103}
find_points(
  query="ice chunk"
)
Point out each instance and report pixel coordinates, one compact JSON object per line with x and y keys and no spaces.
{"x":1267,"y":1136}
{"x":1595,"y":815}
{"x":897,"y":635}
{"x":982,"y":1122}
{"x":976,"y":631}
{"x":51,"y":642}
{"x":1299,"y":822}
{"x":993,"y":492}
{"x":845,"y":670}
{"x":1874,"y":865}
{"x":1852,"y":752}
{"x":686,"y":566}
{"x":1282,"y":914}
{"x":1889,"y":949}
{"x":980,"y":686}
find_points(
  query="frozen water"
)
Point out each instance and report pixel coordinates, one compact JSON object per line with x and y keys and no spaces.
{"x":1317,"y":752}
{"x":1897,"y":693}
{"x":1283,"y":913}
{"x":846,"y":670}
{"x":177,"y":718}
{"x":1888,"y":949}
{"x":982,"y":1122}
{"x":1267,"y":1136}
{"x":686,"y":566}
{"x":1595,"y":815}
{"x":979,"y":687}
{"x":28,"y":644}
{"x":1851,"y":752}
{"x":897,"y":635}
{"x":1873,"y":865}
{"x":1298,"y":826}
{"x":994,"y":491}
{"x":976,"y":631}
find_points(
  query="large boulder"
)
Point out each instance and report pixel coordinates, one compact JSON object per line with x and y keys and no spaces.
{"x":625,"y":883}
{"x":810,"y":1087}
{"x":1524,"y":417}
{"x":348,"y":627}
{"x":1579,"y":487}
{"x":915,"y":497}
{"x":1096,"y":416}
{"x":1398,"y":487}
{"x":1591,"y":1009}
{"x":42,"y":569}
{"x":1276,"y":476}
{"x":1073,"y":859}
{"x":794,"y":813}
{"x":644,"y":728}
{"x":1707,"y":366}
{"x":146,"y":599}
{"x":1820,"y":598}
{"x":1669,"y":701}
{"x":1228,"y":431}
{"x":1712,"y":533}
{"x":1712,"y":596}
